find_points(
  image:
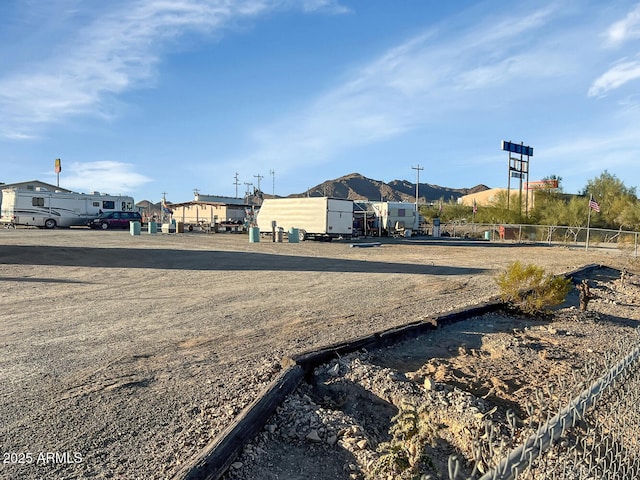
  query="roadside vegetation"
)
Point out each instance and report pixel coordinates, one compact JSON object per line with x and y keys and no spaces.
{"x":619,"y":207}
{"x":529,"y":289}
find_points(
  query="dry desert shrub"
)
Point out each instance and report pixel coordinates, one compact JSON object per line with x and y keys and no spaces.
{"x":529,"y":289}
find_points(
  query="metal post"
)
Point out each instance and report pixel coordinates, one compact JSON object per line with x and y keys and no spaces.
{"x":273,"y":180}
{"x":586,"y":247}
{"x":417,"y":169}
{"x":259,"y":177}
{"x":236,"y":183}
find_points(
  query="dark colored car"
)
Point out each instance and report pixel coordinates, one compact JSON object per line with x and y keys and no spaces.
{"x":114,"y":220}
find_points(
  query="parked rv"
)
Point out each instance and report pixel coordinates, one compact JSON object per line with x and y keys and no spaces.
{"x":318,"y":218}
{"x":51,"y":209}
{"x":397,"y":218}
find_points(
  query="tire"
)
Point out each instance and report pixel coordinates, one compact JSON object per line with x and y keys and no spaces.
{"x":302,"y":235}
{"x":50,"y":223}
{"x":104,"y":226}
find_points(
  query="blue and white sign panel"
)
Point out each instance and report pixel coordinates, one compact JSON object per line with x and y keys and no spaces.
{"x":517,"y":148}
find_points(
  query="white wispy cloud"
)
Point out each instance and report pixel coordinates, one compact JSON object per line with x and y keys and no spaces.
{"x":626,"y":29}
{"x":407,"y":86}
{"x":103,"y":176}
{"x":615,"y":77}
{"x":119,"y":49}
{"x":330,"y":6}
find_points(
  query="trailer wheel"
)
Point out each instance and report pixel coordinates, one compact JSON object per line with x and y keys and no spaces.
{"x":49,"y":223}
{"x":302,"y":235}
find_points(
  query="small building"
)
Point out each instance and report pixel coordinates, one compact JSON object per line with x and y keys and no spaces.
{"x":211,"y":215}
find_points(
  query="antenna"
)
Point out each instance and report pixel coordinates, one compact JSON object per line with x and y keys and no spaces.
{"x":273,"y":178}
{"x":236,"y":183}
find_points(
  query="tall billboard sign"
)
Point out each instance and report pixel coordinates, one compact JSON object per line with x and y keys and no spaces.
{"x":518,"y":148}
{"x":519,"y":154}
{"x":57,"y":167}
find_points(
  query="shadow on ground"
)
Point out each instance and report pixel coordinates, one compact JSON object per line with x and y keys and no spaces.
{"x":208,"y":260}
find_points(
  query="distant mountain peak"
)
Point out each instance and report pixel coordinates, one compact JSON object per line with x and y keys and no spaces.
{"x":355,"y":186}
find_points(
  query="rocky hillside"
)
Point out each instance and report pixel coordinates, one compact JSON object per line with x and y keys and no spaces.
{"x":357,"y":187}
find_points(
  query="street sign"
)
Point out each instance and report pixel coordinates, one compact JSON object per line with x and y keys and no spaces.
{"x":517,"y":175}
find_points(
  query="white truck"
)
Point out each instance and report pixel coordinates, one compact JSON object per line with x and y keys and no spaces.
{"x":44,"y":208}
{"x":317,"y":218}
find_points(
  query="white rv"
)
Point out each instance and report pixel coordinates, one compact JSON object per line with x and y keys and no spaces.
{"x":320,"y":218}
{"x":397,"y":218}
{"x":44,"y":208}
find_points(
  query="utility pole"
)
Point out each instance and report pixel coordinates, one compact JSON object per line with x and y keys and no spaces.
{"x":236,"y":183}
{"x":163,"y":208}
{"x":417,"y":169}
{"x":273,"y":179}
{"x":259,"y":177}
{"x":248,"y":191}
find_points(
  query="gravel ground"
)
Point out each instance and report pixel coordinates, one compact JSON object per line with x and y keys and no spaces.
{"x":123,"y":356}
{"x":463,"y":379}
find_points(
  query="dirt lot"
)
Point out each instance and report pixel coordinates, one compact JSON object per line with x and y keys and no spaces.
{"x":122,"y":356}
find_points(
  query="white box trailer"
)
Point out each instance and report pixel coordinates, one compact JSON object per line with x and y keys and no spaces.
{"x":44,"y":208}
{"x":319,"y":218}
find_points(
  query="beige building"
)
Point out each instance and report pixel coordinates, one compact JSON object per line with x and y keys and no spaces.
{"x":487,"y":197}
{"x":208,"y":214}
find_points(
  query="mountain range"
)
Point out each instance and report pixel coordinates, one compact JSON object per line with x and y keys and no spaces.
{"x":358,"y":187}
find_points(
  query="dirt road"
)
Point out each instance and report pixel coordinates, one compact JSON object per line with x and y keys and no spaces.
{"x":122,"y":356}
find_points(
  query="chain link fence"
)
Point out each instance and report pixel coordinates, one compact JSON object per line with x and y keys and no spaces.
{"x":551,"y":234}
{"x":582,"y":428}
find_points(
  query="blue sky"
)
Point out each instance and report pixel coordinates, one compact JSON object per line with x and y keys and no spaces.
{"x":149,"y":96}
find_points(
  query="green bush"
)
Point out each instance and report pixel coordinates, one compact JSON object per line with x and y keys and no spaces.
{"x":530,"y":290}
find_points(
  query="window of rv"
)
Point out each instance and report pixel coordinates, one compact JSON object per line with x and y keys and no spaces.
{"x":108,"y":204}
{"x":95,"y":204}
{"x":37,"y":201}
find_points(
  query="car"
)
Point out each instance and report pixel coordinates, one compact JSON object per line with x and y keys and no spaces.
{"x":114,"y":220}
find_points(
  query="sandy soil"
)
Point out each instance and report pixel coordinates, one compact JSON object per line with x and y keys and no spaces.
{"x":122,"y":356}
